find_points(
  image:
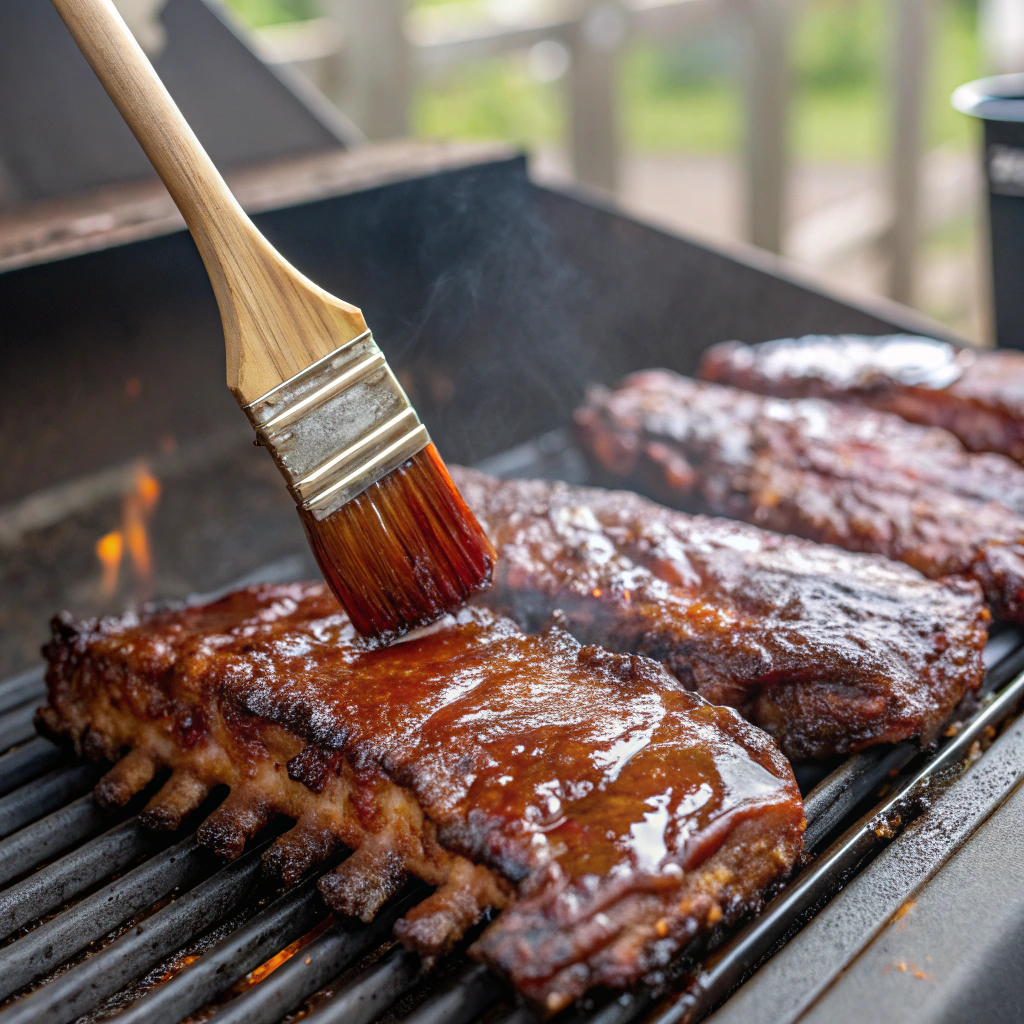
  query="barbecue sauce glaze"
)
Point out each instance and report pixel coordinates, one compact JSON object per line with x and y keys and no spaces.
{"x":583,"y":777}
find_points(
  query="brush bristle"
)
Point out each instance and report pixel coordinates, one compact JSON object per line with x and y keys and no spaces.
{"x":405,"y":551}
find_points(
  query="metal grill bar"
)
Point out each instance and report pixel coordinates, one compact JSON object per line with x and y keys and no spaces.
{"x":26,"y":762}
{"x":474,"y":991}
{"x":519,"y":1015}
{"x":38,"y":843}
{"x":853,"y":781}
{"x":131,"y":954}
{"x":58,"y":940}
{"x":627,"y":1007}
{"x":23,"y":687}
{"x":323,"y":959}
{"x":45,"y":794}
{"x":286,"y":919}
{"x":16,"y":725}
{"x":62,"y":880}
{"x":1003,"y":657}
{"x":372,"y":992}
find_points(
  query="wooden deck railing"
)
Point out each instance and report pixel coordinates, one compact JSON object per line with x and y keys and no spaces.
{"x":369,"y":54}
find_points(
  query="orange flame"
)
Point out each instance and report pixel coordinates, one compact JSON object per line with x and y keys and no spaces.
{"x":258,"y":974}
{"x":147,"y":489}
{"x":138,"y":541}
{"x":136,"y":511}
{"x":110,"y":550}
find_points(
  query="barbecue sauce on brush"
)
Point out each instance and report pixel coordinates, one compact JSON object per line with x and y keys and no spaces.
{"x":404,"y":551}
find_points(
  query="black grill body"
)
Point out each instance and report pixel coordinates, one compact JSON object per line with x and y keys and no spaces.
{"x":496,"y":301}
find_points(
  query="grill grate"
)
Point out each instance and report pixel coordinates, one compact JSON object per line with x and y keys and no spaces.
{"x":134,"y":899}
{"x":273,"y":929}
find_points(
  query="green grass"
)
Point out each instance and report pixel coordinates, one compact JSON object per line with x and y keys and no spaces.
{"x":493,"y":99}
{"x":844,"y":116}
{"x":955,"y":60}
{"x":682,"y":98}
{"x":257,"y":13}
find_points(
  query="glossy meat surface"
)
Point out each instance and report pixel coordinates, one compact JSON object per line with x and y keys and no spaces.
{"x":859,"y":479}
{"x":828,"y":651}
{"x":613,"y":814}
{"x":976,"y":395}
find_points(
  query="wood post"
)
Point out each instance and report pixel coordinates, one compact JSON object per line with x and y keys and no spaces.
{"x":595,"y":43}
{"x":375,"y":84}
{"x":1001,"y":34}
{"x":909,"y":74}
{"x":767,"y":26}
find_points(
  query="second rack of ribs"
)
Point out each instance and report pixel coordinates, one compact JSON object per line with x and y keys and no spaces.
{"x":611,"y":813}
{"x":828,"y":651}
{"x":863,"y":480}
{"x":976,"y":395}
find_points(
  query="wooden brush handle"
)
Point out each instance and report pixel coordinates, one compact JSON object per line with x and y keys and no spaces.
{"x":276,"y":321}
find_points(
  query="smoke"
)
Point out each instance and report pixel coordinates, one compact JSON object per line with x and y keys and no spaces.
{"x":497,"y":351}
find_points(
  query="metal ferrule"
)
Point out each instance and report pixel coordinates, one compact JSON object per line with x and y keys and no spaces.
{"x":338,"y":426}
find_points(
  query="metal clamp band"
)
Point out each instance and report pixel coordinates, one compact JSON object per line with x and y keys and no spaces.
{"x":338,"y":426}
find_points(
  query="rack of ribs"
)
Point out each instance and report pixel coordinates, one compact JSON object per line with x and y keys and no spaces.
{"x":608,"y":813}
{"x":976,"y":395}
{"x":862,"y":480}
{"x":828,"y":651}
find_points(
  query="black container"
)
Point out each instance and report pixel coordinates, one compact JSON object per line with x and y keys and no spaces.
{"x":999,"y":102}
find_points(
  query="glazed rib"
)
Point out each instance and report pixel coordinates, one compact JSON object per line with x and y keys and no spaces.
{"x":829,"y":652}
{"x":976,"y":395}
{"x":853,"y":477}
{"x":611,"y":814}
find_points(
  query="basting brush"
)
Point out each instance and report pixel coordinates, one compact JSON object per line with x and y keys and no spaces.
{"x":390,"y":531}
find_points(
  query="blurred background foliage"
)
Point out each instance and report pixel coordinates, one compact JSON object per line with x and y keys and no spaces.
{"x":683,"y":97}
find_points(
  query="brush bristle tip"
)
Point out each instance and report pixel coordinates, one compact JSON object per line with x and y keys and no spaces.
{"x":404,"y":552}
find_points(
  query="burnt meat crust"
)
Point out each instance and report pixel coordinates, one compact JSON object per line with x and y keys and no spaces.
{"x":611,"y":813}
{"x":976,"y":395}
